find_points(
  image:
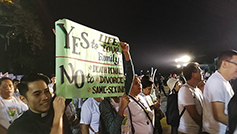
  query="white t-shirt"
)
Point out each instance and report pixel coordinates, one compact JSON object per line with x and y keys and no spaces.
{"x":141,"y":123}
{"x":153,"y":94}
{"x":217,"y":89}
{"x":150,"y":103}
{"x":189,"y":96}
{"x":147,"y":99}
{"x":51,"y":89}
{"x":17,"y":94}
{"x":126,"y":124}
{"x":90,"y":114}
{"x":10,"y":110}
{"x":78,"y":102}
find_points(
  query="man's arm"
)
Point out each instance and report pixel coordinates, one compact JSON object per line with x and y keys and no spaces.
{"x":191,"y":109}
{"x":85,"y":129}
{"x":3,"y":130}
{"x":59,"y":107}
{"x":125,"y":49}
{"x":218,"y":112}
{"x":129,"y":69}
{"x":111,"y":119}
{"x":123,"y":105}
{"x":156,"y":105}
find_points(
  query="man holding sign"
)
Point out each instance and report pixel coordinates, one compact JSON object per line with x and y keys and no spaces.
{"x":117,"y":122}
{"x":44,"y":115}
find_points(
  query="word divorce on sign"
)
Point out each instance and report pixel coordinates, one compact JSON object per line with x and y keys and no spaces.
{"x":111,"y":80}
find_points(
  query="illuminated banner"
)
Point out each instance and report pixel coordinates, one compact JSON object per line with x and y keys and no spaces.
{"x":88,"y":62}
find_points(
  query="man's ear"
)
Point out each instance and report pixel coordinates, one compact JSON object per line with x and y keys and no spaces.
{"x":224,"y":64}
{"x":193,"y":75}
{"x":22,"y":98}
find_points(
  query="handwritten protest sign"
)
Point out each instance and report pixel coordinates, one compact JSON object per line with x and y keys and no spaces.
{"x":88,"y":62}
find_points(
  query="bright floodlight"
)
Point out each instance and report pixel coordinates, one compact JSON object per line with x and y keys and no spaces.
{"x":184,"y":65}
{"x":178,"y":66}
{"x":185,"y":59}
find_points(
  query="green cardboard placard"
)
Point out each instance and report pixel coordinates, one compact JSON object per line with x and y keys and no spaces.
{"x":89,"y":63}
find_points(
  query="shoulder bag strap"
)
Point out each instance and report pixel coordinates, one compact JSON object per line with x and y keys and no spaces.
{"x":193,"y":98}
{"x":141,"y":107}
{"x":182,"y":112}
{"x":93,"y":130}
{"x":130,"y":115}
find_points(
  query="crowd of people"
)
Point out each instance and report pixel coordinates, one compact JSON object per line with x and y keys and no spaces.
{"x":31,"y":105}
{"x":207,"y":107}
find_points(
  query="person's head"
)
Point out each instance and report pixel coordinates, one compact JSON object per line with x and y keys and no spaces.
{"x":174,"y":84}
{"x":175,"y":76}
{"x":193,"y":72}
{"x":6,"y":88}
{"x":136,"y":86}
{"x":227,"y":64}
{"x":35,"y":92}
{"x":146,"y":85}
{"x":53,"y":79}
{"x":15,"y":83}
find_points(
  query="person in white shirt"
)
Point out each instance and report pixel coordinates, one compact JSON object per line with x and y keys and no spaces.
{"x":51,"y":85}
{"x":141,"y":113}
{"x":147,"y":86}
{"x":190,"y":98}
{"x":90,"y":116}
{"x":10,"y":107}
{"x":218,"y":92}
{"x":16,"y":91}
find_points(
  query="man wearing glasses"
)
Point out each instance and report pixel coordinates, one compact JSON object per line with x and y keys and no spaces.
{"x":218,"y":92}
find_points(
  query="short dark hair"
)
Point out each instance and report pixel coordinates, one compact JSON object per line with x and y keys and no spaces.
{"x":4,"y":78}
{"x":15,"y":80}
{"x":225,"y":55}
{"x":189,"y":69}
{"x":146,"y":82}
{"x":25,"y":80}
{"x":52,"y":75}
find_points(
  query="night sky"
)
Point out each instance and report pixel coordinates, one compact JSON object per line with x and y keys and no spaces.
{"x":158,"y":31}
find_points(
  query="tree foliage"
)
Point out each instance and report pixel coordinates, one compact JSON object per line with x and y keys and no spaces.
{"x":22,"y":39}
